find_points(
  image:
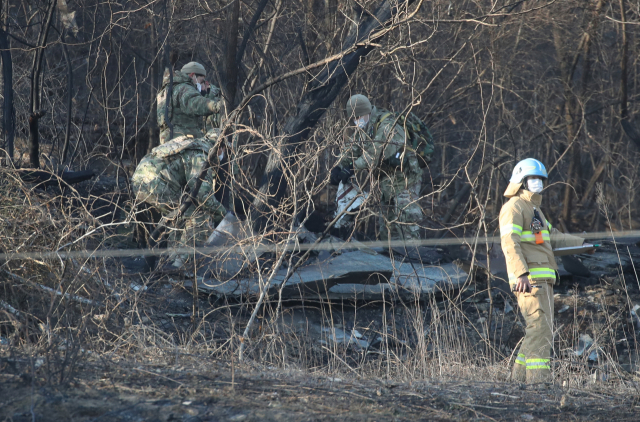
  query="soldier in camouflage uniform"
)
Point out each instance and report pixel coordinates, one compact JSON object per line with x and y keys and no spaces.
{"x":378,"y":146}
{"x":192,"y":99}
{"x":166,"y":173}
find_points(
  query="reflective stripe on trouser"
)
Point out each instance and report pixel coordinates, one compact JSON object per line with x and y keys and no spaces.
{"x":533,"y":360}
{"x":403,"y":211}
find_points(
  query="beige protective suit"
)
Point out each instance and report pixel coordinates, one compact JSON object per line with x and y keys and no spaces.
{"x":524,"y":256}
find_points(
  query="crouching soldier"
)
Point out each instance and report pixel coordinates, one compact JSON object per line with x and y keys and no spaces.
{"x":167,"y":173}
{"x":528,"y":240}
{"x":379,"y":146}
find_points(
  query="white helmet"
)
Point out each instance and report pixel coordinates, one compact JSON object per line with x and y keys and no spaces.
{"x":528,"y":167}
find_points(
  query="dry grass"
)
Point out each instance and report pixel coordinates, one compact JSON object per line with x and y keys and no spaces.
{"x":96,"y":315}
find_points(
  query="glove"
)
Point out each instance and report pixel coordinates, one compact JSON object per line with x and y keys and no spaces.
{"x":339,"y":174}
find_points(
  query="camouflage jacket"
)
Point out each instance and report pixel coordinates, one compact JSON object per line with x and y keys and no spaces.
{"x":172,"y":168}
{"x":375,"y":147}
{"x":186,"y":108}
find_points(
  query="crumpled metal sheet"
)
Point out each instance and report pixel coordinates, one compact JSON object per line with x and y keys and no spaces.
{"x":355,"y":275}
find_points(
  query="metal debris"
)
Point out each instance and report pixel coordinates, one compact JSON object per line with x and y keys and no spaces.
{"x":507,"y":307}
{"x":635,"y":316}
{"x":350,"y":275}
{"x":584,"y":343}
{"x":338,"y":335}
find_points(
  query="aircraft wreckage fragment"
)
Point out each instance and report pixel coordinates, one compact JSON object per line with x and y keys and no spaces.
{"x":338,"y":271}
{"x":350,"y":275}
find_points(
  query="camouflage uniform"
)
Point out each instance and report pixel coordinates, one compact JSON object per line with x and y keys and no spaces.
{"x":399,"y":185}
{"x":187,"y":108}
{"x":212,"y":121}
{"x":166,"y":173}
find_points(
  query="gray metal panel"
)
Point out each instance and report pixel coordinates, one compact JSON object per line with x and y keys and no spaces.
{"x":351,"y":274}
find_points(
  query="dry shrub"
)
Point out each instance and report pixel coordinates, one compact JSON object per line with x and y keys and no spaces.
{"x":42,"y":301}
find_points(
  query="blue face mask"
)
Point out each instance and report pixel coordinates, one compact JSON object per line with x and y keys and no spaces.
{"x":535,"y":185}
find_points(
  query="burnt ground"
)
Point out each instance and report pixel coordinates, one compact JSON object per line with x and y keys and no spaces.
{"x":115,"y":385}
{"x":308,"y":366}
{"x":118,"y":386}
{"x":187,"y":393}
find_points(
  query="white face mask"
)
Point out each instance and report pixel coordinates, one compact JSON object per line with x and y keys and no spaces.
{"x":361,"y":121}
{"x":198,"y":85}
{"x":535,"y":185}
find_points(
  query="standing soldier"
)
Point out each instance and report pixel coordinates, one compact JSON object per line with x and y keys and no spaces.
{"x":378,"y":146}
{"x":528,"y":241}
{"x":169,"y":171}
{"x":192,"y":98}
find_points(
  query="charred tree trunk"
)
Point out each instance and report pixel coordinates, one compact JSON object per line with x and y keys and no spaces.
{"x":623,"y":62}
{"x":230,"y":83}
{"x":234,"y":53}
{"x":628,"y":128}
{"x":571,"y":111}
{"x":36,"y":69}
{"x":153,"y":131}
{"x":249,"y":31}
{"x":170,"y":59}
{"x":8,"y":123}
{"x":67,"y":132}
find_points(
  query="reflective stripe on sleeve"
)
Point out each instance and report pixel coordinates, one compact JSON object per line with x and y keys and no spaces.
{"x":520,"y":360}
{"x":510,"y":228}
{"x":528,"y":236}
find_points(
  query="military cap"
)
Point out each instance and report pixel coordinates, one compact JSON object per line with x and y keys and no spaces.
{"x":358,"y":105}
{"x":194,"y":67}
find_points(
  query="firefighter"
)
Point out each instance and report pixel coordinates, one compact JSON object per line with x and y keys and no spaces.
{"x":528,"y":240}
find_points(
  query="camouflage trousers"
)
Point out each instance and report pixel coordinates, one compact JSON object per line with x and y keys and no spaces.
{"x":401,"y":211}
{"x":191,"y":230}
